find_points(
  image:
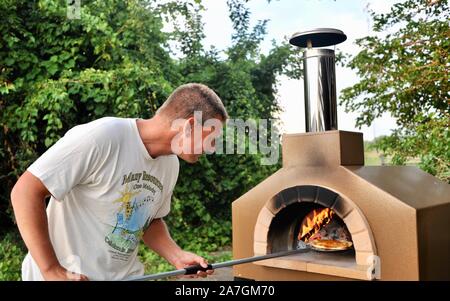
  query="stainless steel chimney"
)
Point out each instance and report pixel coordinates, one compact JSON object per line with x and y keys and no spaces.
{"x":319,"y":76}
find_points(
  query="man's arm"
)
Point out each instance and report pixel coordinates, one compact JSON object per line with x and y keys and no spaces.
{"x":28,"y":201}
{"x":158,"y":238}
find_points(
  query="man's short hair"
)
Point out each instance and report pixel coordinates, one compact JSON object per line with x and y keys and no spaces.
{"x":188,"y":98}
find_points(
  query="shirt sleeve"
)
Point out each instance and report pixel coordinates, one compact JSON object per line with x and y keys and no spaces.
{"x":66,"y":164}
{"x":165,"y":205}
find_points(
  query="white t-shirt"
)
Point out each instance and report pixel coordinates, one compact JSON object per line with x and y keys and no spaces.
{"x":106,"y":189}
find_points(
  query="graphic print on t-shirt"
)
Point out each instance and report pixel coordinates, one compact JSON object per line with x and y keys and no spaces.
{"x":139,"y":192}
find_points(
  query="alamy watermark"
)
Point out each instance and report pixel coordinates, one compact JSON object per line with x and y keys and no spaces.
{"x":240,"y":137}
{"x":73,"y":9}
{"x":373,"y":267}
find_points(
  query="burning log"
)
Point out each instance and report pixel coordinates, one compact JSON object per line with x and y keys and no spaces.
{"x":323,"y":230}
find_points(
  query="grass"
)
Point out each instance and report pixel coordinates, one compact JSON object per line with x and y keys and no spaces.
{"x":374,"y":158}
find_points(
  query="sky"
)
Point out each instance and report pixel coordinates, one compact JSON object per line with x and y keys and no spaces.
{"x":289,"y":16}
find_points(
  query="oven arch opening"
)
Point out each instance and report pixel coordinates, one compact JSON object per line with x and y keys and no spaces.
{"x":275,"y":231}
{"x":287,"y":226}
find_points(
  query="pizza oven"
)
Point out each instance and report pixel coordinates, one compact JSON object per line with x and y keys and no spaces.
{"x":360,"y":222}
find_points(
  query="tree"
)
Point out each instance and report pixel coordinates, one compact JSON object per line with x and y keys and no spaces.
{"x":246,"y":81}
{"x":57,"y":72}
{"x":404,"y":71}
{"x":116,"y":61}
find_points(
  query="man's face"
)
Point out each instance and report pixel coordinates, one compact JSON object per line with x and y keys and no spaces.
{"x":195,"y":139}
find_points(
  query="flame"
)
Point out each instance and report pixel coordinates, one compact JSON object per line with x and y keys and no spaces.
{"x":313,"y":222}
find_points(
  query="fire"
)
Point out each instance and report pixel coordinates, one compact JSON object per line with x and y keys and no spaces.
{"x":313,"y":222}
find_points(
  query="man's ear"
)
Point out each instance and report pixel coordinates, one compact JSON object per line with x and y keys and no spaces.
{"x":189,"y":127}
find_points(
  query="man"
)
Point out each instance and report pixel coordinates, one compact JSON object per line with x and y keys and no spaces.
{"x":110,"y":182}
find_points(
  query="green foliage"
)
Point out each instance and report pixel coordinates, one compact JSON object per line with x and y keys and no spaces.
{"x":12,"y":252}
{"x":404,"y":71}
{"x":56,"y":72}
{"x":116,"y":61}
{"x":430,"y":142}
{"x":153,"y":263}
{"x":201,"y":210}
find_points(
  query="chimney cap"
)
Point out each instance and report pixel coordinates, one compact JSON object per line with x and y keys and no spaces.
{"x":319,"y":37}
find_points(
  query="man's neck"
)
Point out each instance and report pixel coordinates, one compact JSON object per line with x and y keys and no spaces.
{"x":156,"y":136}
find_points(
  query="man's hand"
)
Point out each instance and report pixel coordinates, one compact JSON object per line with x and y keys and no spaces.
{"x":58,"y":273}
{"x":185,"y":259}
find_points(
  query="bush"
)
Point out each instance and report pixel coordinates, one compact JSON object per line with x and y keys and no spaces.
{"x":403,"y":70}
{"x":117,"y":61}
{"x":153,"y":263}
{"x":12,"y":252}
